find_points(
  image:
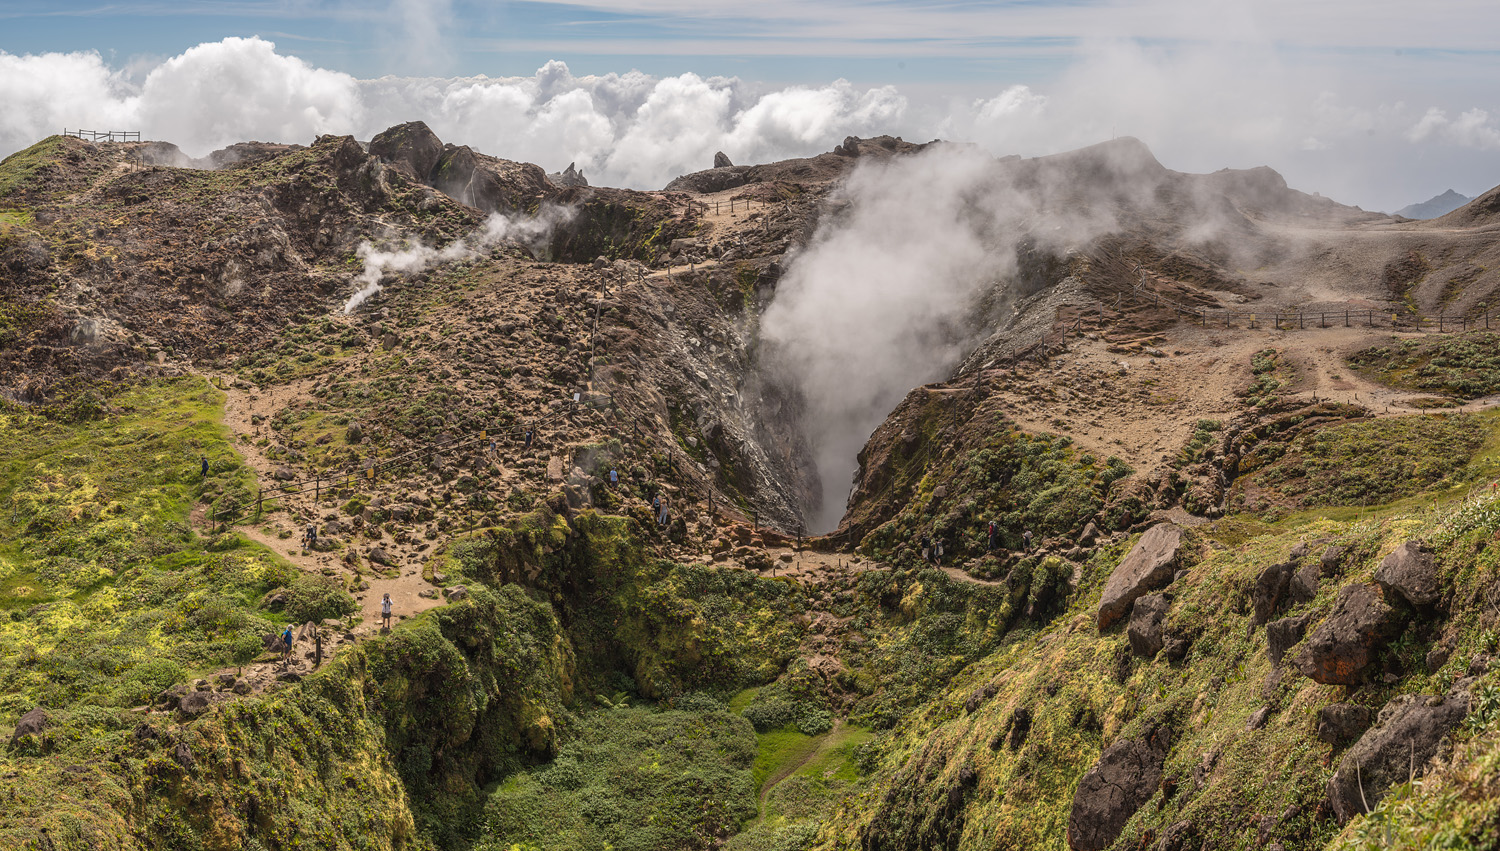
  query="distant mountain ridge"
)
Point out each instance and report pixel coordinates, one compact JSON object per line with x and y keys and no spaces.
{"x":1439,"y":205}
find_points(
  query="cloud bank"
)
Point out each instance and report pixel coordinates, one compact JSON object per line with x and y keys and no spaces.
{"x":1356,"y":138}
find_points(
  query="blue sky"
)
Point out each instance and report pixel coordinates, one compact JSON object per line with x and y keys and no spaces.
{"x":1377,"y":102}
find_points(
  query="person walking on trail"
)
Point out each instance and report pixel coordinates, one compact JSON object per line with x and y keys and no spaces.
{"x":310,"y":537}
{"x":937,"y":551}
{"x":385,"y":611}
{"x":1026,"y":541}
{"x":528,"y":438}
{"x":286,"y":644}
{"x":926,"y":548}
{"x":662,"y":519}
{"x":614,"y":476}
{"x":994,"y":530}
{"x":203,"y":467}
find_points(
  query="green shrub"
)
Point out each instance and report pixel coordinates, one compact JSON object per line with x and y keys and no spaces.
{"x":316,"y":598}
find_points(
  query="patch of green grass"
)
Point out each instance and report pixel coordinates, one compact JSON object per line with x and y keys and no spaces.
{"x":778,"y":750}
{"x":20,"y":168}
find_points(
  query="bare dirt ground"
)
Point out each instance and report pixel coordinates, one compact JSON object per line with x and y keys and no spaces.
{"x":1143,"y":408}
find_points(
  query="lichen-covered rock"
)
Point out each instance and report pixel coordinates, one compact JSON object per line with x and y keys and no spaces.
{"x":1145,"y":630}
{"x":1345,"y":644}
{"x":1410,"y":572}
{"x":1149,"y":565}
{"x":1405,"y":737}
{"x":1125,"y":777}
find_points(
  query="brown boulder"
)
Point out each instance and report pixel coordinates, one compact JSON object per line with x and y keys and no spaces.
{"x":1149,"y":565}
{"x":1346,"y":643}
{"x":1269,"y":592}
{"x":33,"y":723}
{"x":1406,"y":736}
{"x":1410,"y":572}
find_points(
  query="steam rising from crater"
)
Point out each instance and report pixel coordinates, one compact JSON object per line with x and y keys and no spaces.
{"x":918,"y":269}
{"x":533,"y":233}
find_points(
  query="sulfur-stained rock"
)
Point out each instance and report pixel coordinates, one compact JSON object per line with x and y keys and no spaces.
{"x":1149,"y":565}
{"x":1346,"y":643}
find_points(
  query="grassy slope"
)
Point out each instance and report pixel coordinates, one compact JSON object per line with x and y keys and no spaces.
{"x":106,"y":594}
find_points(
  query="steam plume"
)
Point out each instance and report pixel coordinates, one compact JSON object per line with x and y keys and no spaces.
{"x":532,"y":233}
{"x":893,"y":293}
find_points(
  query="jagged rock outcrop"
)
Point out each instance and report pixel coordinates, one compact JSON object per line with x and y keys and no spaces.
{"x":412,"y":146}
{"x":1149,"y":565}
{"x":1410,"y":573}
{"x":569,"y":176}
{"x":1406,"y":735}
{"x":1145,"y":629}
{"x":1125,"y":777}
{"x":1270,"y":592}
{"x":1347,"y":642}
{"x":722,"y":161}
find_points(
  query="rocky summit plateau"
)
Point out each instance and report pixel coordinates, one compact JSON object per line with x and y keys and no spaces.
{"x":390,"y":494}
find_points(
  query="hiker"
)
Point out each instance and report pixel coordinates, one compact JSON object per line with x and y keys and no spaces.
{"x":663,"y":518}
{"x":994,"y":532}
{"x":494,"y":450}
{"x":286,"y":644}
{"x":203,"y":466}
{"x":614,"y":477}
{"x":385,"y":611}
{"x":926,"y":548}
{"x":528,"y":439}
{"x":1026,"y":541}
{"x":656,"y":504}
{"x":937,"y":551}
{"x":310,"y":537}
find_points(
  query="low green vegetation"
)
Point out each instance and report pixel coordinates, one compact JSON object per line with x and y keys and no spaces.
{"x":631,"y":778}
{"x":18,"y":170}
{"x":1364,"y":462}
{"x":1269,"y":374}
{"x":107,"y":594}
{"x":1040,"y":483}
{"x":1464,"y":366}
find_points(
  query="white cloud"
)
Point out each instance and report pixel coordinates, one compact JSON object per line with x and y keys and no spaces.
{"x":1350,"y":135}
{"x":1471,"y":129}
